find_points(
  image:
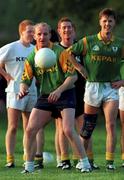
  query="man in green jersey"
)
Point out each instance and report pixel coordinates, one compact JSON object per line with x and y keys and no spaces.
{"x":56,"y":93}
{"x":102,"y":55}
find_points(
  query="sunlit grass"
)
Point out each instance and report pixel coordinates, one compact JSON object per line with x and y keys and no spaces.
{"x":50,"y":172}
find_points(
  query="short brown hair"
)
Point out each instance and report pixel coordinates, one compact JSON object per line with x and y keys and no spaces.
{"x":65,"y":19}
{"x":23,"y":24}
{"x":107,"y":12}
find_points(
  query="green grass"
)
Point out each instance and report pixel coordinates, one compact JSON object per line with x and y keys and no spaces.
{"x":50,"y":172}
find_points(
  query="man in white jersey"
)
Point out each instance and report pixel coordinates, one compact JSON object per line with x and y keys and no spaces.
{"x":12,"y":57}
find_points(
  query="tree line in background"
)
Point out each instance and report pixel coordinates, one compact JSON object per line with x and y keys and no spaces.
{"x":84,"y":13}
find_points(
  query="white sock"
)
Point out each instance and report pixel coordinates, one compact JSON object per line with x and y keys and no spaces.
{"x":29,"y":166}
{"x":85,"y":162}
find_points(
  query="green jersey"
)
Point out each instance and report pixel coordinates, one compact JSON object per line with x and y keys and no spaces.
{"x":101,"y":60}
{"x":48,"y":79}
{"x":122,"y":69}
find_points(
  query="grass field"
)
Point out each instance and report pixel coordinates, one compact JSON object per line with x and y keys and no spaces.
{"x":50,"y":172}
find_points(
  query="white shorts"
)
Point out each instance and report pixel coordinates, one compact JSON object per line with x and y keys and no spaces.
{"x":96,"y":93}
{"x":121,"y":98}
{"x":24,"y":104}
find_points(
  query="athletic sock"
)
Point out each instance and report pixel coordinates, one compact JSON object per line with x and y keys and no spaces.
{"x":109,"y":158}
{"x":85,"y":162}
{"x":122,"y":157}
{"x":10,"y":159}
{"x":29,"y":166}
{"x":65,"y":157}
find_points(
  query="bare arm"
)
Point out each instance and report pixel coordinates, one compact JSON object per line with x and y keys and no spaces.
{"x":67,"y":84}
{"x":6,"y":75}
{"x":78,"y":66}
{"x":23,"y":91}
{"x":117,"y":84}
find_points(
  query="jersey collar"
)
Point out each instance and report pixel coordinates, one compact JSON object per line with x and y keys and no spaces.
{"x":100,"y":38}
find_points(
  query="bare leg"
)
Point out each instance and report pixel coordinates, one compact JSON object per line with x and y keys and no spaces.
{"x":68,"y":122}
{"x":39,"y":149}
{"x":25,"y":118}
{"x":110,"y":111}
{"x":37,"y":121}
{"x":57,"y":144}
{"x":13,"y":117}
{"x":40,"y":142}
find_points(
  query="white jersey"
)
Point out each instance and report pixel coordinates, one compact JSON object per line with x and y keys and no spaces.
{"x":13,"y":56}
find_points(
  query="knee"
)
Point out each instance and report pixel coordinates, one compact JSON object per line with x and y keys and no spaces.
{"x":12,"y":129}
{"x":88,"y":126}
{"x":110,"y":126}
{"x":30,"y":132}
{"x":68,"y":132}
